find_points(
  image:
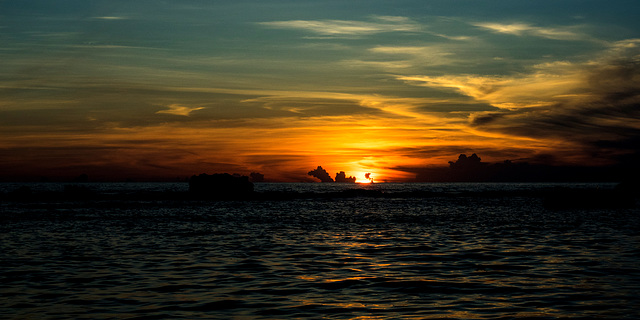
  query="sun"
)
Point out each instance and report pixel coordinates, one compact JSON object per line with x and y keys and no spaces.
{"x":364,"y":177}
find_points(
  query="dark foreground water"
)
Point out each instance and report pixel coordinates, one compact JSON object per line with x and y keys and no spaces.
{"x":444,"y":256}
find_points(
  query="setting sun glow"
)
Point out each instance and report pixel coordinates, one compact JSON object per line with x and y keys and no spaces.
{"x":120,"y":92}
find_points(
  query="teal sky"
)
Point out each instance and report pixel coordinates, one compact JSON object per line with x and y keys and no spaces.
{"x":171,"y":88}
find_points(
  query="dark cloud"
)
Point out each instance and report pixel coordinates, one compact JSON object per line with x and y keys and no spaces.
{"x":368,"y":176}
{"x":321,"y":174}
{"x":457,"y":106}
{"x":605,"y":124}
{"x":486,"y":118}
{"x":464,"y":162}
{"x":342,"y":177}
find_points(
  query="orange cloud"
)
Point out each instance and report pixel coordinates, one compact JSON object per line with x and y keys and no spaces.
{"x":179,"y":110}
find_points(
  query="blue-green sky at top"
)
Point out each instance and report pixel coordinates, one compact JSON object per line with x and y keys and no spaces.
{"x":149,"y":89}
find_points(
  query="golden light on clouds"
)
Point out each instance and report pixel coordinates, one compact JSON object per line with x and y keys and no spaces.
{"x":179,"y":110}
{"x":531,"y":90}
{"x":378,"y":24}
{"x":520,"y":29}
{"x":186,"y":89}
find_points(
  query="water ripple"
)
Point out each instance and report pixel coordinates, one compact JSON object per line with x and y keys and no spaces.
{"x":475,"y":258}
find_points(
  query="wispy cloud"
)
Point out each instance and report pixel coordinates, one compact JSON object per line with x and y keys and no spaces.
{"x":96,"y":45}
{"x":110,"y":18}
{"x":423,"y":55}
{"x":378,"y":24}
{"x":179,"y":110}
{"x":541,"y":88}
{"x":546,"y":84}
{"x":594,"y":102}
{"x":524,"y":29}
{"x":386,"y":65}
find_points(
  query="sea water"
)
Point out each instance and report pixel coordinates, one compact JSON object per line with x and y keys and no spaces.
{"x":454,"y":254}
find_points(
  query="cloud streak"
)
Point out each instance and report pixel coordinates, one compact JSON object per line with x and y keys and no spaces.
{"x":524,"y":29}
{"x":379,"y":24}
{"x":111,"y":18}
{"x":543,"y":87}
{"x":419,"y":55}
{"x":179,"y":110}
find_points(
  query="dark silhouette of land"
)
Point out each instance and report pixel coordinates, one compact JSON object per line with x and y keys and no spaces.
{"x":256,"y":177}
{"x":472,"y":169}
{"x":222,"y":185}
{"x":227,"y":187}
{"x":553,"y":198}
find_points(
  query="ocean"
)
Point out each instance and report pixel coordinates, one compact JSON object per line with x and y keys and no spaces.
{"x":388,"y":251}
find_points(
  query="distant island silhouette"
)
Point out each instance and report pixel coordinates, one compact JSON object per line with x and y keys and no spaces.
{"x":225,"y":186}
{"x":472,"y":169}
{"x":220,"y":185}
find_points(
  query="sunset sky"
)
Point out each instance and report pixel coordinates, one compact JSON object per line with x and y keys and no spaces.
{"x":160,"y":89}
